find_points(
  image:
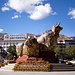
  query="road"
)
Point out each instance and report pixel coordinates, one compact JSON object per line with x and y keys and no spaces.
{"x":36,"y":73}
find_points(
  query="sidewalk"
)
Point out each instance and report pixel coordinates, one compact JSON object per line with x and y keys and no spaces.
{"x":7,"y":67}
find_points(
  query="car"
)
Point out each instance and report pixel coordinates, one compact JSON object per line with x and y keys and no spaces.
{"x":1,"y":59}
{"x":72,"y":62}
{"x":3,"y":53}
{"x":62,"y":60}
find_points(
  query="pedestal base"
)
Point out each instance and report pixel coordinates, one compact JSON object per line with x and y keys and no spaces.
{"x":48,"y":56}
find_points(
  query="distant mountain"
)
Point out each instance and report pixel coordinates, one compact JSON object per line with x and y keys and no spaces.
{"x":63,"y":37}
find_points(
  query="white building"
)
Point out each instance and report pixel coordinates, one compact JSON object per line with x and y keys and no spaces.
{"x":15,"y":36}
{"x":13,"y":39}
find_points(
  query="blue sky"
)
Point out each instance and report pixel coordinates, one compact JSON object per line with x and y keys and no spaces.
{"x":36,"y":16}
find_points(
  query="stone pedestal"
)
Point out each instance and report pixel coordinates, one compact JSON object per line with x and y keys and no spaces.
{"x":48,"y":56}
{"x":43,"y":55}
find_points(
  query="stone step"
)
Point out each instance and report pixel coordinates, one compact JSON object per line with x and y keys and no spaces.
{"x":62,"y":67}
{"x":63,"y":70}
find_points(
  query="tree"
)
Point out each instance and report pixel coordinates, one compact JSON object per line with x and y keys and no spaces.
{"x":70,"y":51}
{"x":57,"y":50}
{"x":11,"y":52}
{"x":60,"y":53}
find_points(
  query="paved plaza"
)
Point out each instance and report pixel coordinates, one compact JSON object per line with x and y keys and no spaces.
{"x":36,"y":73}
{"x":7,"y":70}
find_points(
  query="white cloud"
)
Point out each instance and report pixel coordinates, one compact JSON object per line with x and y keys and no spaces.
{"x":1,"y":30}
{"x":15,"y":16}
{"x":5,"y":8}
{"x":41,"y":12}
{"x":72,"y":13}
{"x":34,"y":8}
{"x":23,"y":5}
{"x":54,"y":13}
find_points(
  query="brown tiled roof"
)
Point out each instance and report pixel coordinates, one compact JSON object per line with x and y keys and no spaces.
{"x":70,"y":40}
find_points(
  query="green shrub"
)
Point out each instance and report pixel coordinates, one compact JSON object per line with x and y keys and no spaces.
{"x":11,"y":61}
{"x":0,"y":65}
{"x":5,"y":63}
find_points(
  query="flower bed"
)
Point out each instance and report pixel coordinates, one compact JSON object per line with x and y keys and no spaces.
{"x":32,"y":66}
